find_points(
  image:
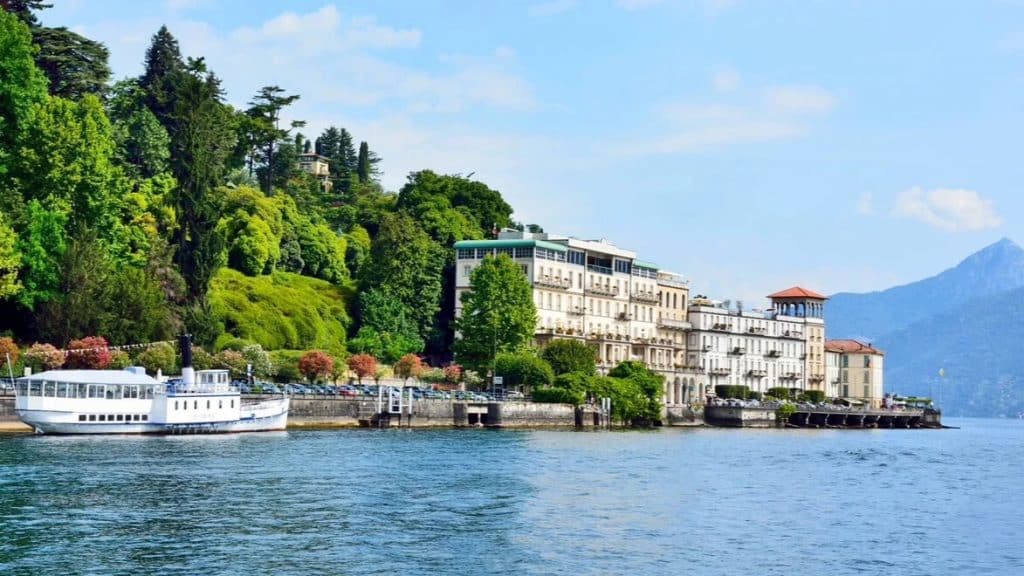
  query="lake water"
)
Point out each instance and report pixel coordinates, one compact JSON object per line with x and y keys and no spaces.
{"x":706,"y":501}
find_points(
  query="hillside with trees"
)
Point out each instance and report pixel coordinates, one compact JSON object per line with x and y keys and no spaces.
{"x":141,"y":208}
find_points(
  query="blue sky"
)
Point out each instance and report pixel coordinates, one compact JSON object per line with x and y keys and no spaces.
{"x":748,"y":145}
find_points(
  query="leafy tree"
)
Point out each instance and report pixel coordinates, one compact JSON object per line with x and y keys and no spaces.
{"x":202,"y":141}
{"x":119,"y":360}
{"x":523,"y":368}
{"x":406,"y":265}
{"x":336,"y":145}
{"x":143,"y":144}
{"x":90,"y":352}
{"x":316,"y":364}
{"x":363,"y":365}
{"x":357,"y":249}
{"x":498,"y":314}
{"x":135,"y":307}
{"x":22,"y":86}
{"x":8,"y":350}
{"x":483,"y":207}
{"x":160,"y":356}
{"x":385,"y":314}
{"x":42,"y":246}
{"x":233,"y":360}
{"x":265,"y":110}
{"x":366,"y":164}
{"x":163,"y":66}
{"x":650,"y":384}
{"x":75,"y":65}
{"x":409,"y":366}
{"x":10,"y":260}
{"x":567,"y":355}
{"x":40,"y":357}
{"x":66,"y":161}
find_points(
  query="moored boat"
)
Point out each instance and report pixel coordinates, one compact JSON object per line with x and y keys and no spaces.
{"x":130,"y":402}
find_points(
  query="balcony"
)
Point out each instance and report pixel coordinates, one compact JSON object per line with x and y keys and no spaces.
{"x":576,"y":310}
{"x":722,"y":327}
{"x":816,"y":378}
{"x":707,"y":347}
{"x":604,"y":290}
{"x":756,"y":330}
{"x":556,"y":283}
{"x":794,"y":334}
{"x":624,"y":316}
{"x":772,"y":354}
{"x":674,"y":325}
{"x":738,"y":351}
{"x":803,"y":356}
{"x":599,"y":269}
{"x":720,"y":371}
{"x":757,"y":373}
{"x":649,"y":297}
{"x":790,"y":376}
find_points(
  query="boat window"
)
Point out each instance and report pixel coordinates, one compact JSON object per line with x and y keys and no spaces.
{"x":184,"y":405}
{"x":120,"y":417}
{"x":232,"y":403}
{"x":110,"y":417}
{"x":175,"y":404}
{"x":23,"y":388}
{"x":195,"y":404}
{"x":131,"y":392}
{"x":95,"y":391}
{"x":103,"y":417}
{"x":207,"y":404}
{"x":62,"y":390}
{"x":49,"y":389}
{"x":145,"y":417}
{"x":220,"y":404}
{"x":81,"y":417}
{"x":135,"y":418}
{"x":35,"y":388}
{"x":92,"y":417}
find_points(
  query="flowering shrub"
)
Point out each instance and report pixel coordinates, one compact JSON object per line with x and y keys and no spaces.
{"x":42,"y":357}
{"x":90,"y":353}
{"x":452,"y":373}
{"x":409,"y":366}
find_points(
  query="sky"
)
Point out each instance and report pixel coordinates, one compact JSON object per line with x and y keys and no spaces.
{"x":747,"y":145}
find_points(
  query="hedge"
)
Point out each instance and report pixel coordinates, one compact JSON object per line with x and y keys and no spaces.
{"x":557,"y":396}
{"x":732,"y":391}
{"x":815,"y":396}
{"x":779,"y":393}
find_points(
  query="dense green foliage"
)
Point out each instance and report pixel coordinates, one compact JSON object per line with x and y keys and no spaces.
{"x":737,"y":391}
{"x":282,"y":310}
{"x":635,"y":391}
{"x":523,"y":368}
{"x":777,"y":392}
{"x":567,"y":355}
{"x":552,"y":395}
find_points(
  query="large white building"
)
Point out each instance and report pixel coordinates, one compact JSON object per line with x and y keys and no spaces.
{"x":598,"y":293}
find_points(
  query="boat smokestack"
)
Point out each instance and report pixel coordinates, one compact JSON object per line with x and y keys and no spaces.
{"x":188,"y":376}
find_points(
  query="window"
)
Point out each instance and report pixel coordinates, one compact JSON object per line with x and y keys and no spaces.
{"x":220,"y":404}
{"x":120,"y":417}
{"x":867,"y":361}
{"x":195,"y":404}
{"x":81,"y":417}
{"x":232,"y":403}
{"x":145,"y":417}
{"x":867,"y":391}
{"x":103,"y":417}
{"x":844,"y":361}
{"x":207,"y":404}
{"x":466,"y":253}
{"x":523,"y":252}
{"x":576,"y":257}
{"x":623,"y":266}
{"x":135,"y":418}
{"x":92,"y":417}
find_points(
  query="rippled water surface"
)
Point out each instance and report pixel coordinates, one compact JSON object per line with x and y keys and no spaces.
{"x":537,"y":502}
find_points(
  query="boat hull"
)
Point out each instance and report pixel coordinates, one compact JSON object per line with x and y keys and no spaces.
{"x":263,"y":417}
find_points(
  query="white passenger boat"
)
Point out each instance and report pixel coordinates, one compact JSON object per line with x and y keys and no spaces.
{"x":130,"y":402}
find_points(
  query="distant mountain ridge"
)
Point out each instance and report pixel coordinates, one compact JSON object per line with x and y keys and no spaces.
{"x":992,"y":270}
{"x":967,"y":321}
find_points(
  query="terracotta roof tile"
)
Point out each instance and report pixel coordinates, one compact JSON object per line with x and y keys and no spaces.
{"x":852,"y":347}
{"x":798,"y":292}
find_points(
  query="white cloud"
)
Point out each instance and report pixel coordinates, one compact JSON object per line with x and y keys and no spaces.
{"x":948,"y":209}
{"x":726,"y":80}
{"x":553,"y":7}
{"x":866,"y":204}
{"x":689,"y":127}
{"x":799,"y":99}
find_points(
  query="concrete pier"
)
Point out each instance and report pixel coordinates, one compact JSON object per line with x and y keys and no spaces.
{"x":820,"y":417}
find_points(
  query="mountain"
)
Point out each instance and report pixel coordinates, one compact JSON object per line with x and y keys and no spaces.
{"x":978,"y":346}
{"x":995,"y":269}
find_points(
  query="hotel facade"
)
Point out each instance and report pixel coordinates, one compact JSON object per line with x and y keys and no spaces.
{"x":628,"y":309}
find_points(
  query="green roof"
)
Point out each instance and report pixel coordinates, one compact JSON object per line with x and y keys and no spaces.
{"x":640,"y":264}
{"x":509,"y":243}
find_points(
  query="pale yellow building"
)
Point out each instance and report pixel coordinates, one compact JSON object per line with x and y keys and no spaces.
{"x":860,"y":369}
{"x":317,"y":165}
